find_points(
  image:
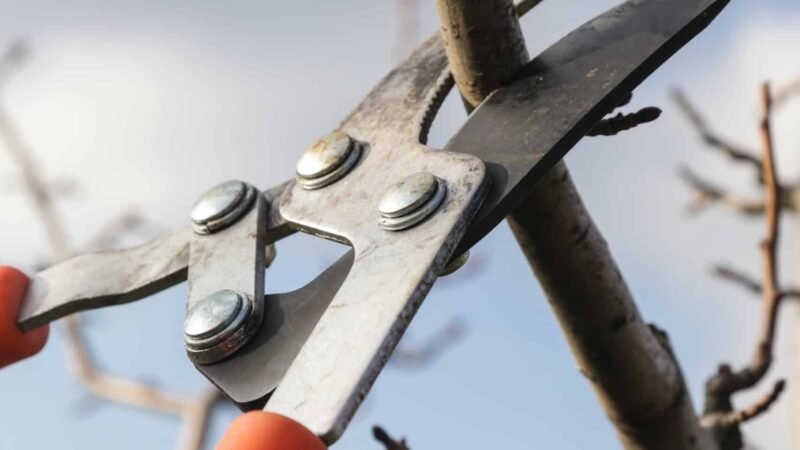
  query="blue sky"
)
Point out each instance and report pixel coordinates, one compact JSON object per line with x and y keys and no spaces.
{"x":149,"y":103}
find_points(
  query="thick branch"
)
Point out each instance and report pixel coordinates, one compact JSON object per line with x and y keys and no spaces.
{"x":634,"y":375}
{"x":484,"y":43}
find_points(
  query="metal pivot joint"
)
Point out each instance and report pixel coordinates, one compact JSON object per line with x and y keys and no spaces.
{"x":222,"y":206}
{"x":226,"y":272}
{"x":411,"y":201}
{"x":219,"y":325}
{"x":327,"y":160}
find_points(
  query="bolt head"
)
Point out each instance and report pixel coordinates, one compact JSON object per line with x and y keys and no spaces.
{"x":407,"y":195}
{"x":218,"y":201}
{"x":212,"y":314}
{"x":325,"y":155}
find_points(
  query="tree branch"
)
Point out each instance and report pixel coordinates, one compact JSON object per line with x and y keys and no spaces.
{"x":707,"y":193}
{"x":484,"y":44}
{"x":388,"y":442}
{"x":729,"y":382}
{"x":614,"y":125}
{"x":436,"y":345}
{"x":638,"y":382}
{"x":786,"y":93}
{"x":751,"y":284}
{"x":736,"y":418}
{"x":713,"y":140}
{"x":719,"y":414}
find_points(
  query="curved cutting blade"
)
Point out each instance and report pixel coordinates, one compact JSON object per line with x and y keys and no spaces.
{"x":523,"y":129}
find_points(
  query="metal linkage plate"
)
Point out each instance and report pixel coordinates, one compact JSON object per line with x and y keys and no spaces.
{"x":391,"y":274}
{"x":226,"y":285}
{"x":392,"y":270}
{"x":232,"y":258}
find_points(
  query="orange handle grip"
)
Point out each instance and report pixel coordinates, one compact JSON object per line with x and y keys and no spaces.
{"x":259,"y":430}
{"x":14,"y":344}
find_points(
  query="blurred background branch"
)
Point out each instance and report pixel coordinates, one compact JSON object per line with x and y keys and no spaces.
{"x":719,"y":413}
{"x":193,"y":411}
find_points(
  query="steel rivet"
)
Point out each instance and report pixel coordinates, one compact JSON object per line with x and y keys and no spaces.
{"x":221,"y":206}
{"x":219,"y":325}
{"x":411,"y":201}
{"x":209,"y":317}
{"x":327,"y":160}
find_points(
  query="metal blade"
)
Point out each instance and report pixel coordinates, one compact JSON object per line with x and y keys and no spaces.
{"x":525,"y":128}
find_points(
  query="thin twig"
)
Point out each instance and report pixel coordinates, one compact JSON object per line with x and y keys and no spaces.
{"x":526,"y":5}
{"x":726,"y":381}
{"x":736,"y":418}
{"x":622,"y":122}
{"x":751,"y":284}
{"x":107,"y":387}
{"x":195,"y":416}
{"x":388,"y":442}
{"x":739,"y":278}
{"x":783,"y":95}
{"x":421,"y":356}
{"x":713,"y":140}
{"x":771,"y":292}
{"x":707,"y":193}
{"x":124,"y":225}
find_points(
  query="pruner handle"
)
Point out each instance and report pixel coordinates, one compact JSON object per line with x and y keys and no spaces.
{"x":14,"y":343}
{"x":260,"y":430}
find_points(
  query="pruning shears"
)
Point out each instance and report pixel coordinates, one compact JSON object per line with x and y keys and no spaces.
{"x":409,"y":213}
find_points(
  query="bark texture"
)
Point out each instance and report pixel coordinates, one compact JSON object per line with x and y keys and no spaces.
{"x":630,"y":364}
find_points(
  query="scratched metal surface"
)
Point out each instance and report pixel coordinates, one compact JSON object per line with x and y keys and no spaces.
{"x":232,"y":258}
{"x":392,"y":271}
